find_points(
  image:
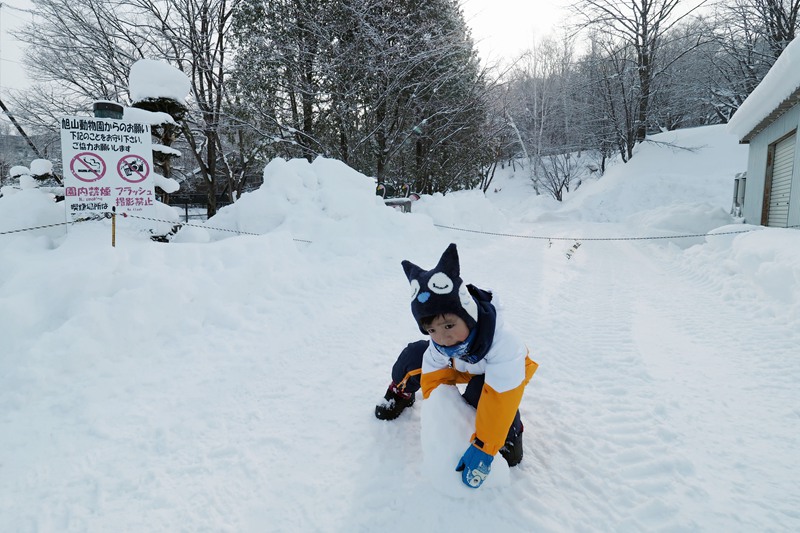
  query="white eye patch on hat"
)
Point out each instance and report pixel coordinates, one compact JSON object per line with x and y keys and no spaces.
{"x":467,"y":301}
{"x":440,"y":283}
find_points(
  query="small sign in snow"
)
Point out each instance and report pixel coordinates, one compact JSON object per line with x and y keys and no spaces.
{"x":90,"y":147}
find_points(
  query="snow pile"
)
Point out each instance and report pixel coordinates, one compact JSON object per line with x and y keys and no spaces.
{"x":764,"y":262}
{"x":463,"y":209}
{"x":31,"y":208}
{"x":694,"y":167}
{"x":41,"y":167}
{"x":150,"y":78}
{"x":328,"y":200}
{"x":323,"y":201}
{"x":679,"y":220}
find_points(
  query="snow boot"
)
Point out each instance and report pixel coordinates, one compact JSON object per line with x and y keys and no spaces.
{"x":394,"y":401}
{"x":512,"y":449}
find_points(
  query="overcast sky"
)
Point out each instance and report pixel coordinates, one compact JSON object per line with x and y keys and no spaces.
{"x":504,"y":28}
{"x":12,"y":74}
{"x":501,"y":29}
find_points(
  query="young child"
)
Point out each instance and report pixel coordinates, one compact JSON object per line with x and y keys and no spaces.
{"x":468,"y":344}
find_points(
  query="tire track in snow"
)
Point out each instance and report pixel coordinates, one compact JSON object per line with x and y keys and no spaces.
{"x":599,"y":425}
{"x":722,"y":352}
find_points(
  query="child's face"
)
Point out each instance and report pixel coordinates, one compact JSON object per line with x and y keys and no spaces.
{"x":448,"y":330}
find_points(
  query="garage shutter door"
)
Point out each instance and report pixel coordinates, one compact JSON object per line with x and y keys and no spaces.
{"x":781,"y":187}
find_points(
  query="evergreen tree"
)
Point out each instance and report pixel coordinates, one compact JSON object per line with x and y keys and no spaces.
{"x":391,"y":87}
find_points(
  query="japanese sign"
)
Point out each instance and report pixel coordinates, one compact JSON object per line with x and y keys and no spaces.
{"x":107,"y":163}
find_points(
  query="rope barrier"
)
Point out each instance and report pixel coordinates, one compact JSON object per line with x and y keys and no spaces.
{"x":35,"y":228}
{"x":76,"y":221}
{"x":176,"y":223}
{"x":597,"y":238}
{"x":107,"y":215}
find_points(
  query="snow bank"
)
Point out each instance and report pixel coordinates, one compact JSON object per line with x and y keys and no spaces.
{"x":680,"y":220}
{"x":462,"y":209}
{"x":695,"y":166}
{"x":30,"y":208}
{"x":763,"y":261}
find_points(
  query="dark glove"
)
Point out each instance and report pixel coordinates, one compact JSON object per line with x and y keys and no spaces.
{"x":474,"y":466}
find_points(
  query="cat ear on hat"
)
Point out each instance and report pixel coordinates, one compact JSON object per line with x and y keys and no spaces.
{"x":449,"y":262}
{"x":412,"y":271}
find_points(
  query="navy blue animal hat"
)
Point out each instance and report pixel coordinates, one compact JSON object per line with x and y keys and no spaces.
{"x":440,"y":290}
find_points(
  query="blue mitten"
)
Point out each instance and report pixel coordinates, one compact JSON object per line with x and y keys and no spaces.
{"x":474,"y":466}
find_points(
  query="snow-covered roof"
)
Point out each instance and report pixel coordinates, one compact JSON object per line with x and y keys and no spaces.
{"x":777,"y":92}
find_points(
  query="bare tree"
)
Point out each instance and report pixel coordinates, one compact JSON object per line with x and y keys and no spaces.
{"x":641,"y":26}
{"x":777,"y":20}
{"x":749,"y":35}
{"x":87,"y":48}
{"x":195,"y":35}
{"x":543,"y":113}
{"x":559,"y":172}
{"x":539,"y":77}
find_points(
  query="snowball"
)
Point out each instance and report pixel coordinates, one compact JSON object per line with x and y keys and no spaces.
{"x":447,"y":423}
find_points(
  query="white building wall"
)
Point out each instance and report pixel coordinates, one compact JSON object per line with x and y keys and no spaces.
{"x":757,"y":168}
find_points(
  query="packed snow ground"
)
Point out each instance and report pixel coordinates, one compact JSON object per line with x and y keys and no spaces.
{"x":227,"y":383}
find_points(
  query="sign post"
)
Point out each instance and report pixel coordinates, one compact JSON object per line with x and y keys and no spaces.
{"x":107,"y":164}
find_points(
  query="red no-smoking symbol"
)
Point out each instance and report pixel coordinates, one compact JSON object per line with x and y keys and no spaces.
{"x":133,"y":169}
{"x":87,"y":166}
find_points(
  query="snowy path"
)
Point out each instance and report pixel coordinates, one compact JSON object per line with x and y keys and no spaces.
{"x":638,"y":357}
{"x":720,"y":351}
{"x":261,"y":417}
